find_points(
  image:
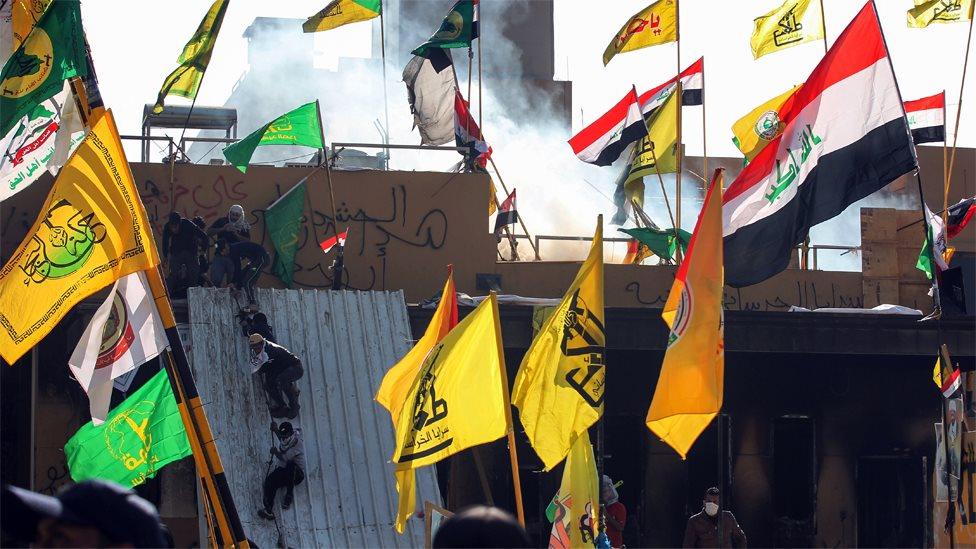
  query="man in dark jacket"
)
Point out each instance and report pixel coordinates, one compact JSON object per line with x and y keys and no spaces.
{"x":181,"y":240}
{"x":249,"y":259}
{"x":281,"y":369}
{"x":289,"y":472}
{"x":705,"y":529}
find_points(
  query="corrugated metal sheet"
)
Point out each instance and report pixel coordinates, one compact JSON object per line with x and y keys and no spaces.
{"x":347,"y":341}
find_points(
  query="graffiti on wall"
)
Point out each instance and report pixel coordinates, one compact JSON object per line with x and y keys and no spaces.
{"x":806,"y":294}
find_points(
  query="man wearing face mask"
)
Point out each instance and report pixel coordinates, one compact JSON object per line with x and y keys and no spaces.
{"x":706,"y":529}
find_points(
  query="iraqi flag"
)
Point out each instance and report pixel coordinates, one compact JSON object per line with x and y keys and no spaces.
{"x":692,"y":89}
{"x":603,"y":141}
{"x":507,"y":214}
{"x":125,"y":332}
{"x":959,"y":215}
{"x":845,"y":136}
{"x":330,"y":242}
{"x":926,"y":118}
{"x":468,"y":134}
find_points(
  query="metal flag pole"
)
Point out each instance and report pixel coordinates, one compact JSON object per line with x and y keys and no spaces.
{"x":386,"y":103}
{"x":678,"y":152}
{"x":339,"y":260}
{"x":823,"y":26}
{"x":480,"y":34}
{"x":704,"y":140}
{"x":664,"y":191}
{"x":945,"y":361}
{"x":962,"y":86}
{"x":510,"y":431}
{"x":521,"y":223}
{"x":945,"y":163}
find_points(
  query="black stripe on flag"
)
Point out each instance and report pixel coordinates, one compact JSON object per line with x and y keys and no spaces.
{"x":613,"y":150}
{"x":692,"y":97}
{"x":760,"y":250}
{"x":505,"y":218}
{"x":931,"y":134}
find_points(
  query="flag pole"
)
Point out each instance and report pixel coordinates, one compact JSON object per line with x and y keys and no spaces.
{"x":510,"y":431}
{"x":678,"y":152}
{"x":664,"y":191}
{"x":823,"y":26}
{"x":950,"y":521}
{"x":480,"y":34}
{"x":386,"y":103}
{"x":704,"y":140}
{"x":328,"y":173}
{"x":962,"y":85}
{"x":945,"y":163}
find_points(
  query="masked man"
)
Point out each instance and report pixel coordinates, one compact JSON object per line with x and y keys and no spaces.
{"x":289,"y":456}
{"x":705,"y":529}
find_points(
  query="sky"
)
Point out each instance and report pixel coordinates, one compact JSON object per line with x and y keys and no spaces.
{"x":135,"y":45}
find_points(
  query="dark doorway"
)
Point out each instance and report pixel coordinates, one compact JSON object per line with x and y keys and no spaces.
{"x":891,"y":501}
{"x":794,"y":480}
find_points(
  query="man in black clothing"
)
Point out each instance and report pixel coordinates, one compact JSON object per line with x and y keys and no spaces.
{"x":181,"y":240}
{"x":281,"y":369}
{"x":232,"y":227}
{"x":246,"y":274}
{"x":713,"y":527}
{"x":256,"y":323}
{"x":289,"y":472}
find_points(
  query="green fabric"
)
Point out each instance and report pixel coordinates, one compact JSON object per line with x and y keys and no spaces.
{"x":139,"y":437}
{"x":283,"y":220}
{"x":53,"y":52}
{"x":662,"y":242}
{"x":456,"y":31}
{"x":298,"y":127}
{"x":371,"y":5}
{"x":925,"y":259}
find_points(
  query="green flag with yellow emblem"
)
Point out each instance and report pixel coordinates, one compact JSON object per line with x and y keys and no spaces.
{"x":298,"y":127}
{"x":139,"y":437}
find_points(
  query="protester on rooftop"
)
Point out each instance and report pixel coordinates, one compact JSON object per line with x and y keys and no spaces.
{"x":248,"y":259}
{"x":280,"y":370}
{"x":706,"y":529}
{"x":181,"y":241}
{"x":289,"y":471}
{"x":233,"y":227}
{"x":93,"y":513}
{"x":481,"y":526}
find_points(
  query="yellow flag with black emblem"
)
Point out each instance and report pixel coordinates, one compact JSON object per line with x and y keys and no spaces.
{"x":763,"y":124}
{"x":656,"y":24}
{"x":659,"y":144}
{"x":185,"y":80}
{"x":795,"y":22}
{"x":689,"y":390}
{"x":927,"y":12}
{"x":458,"y":399}
{"x":559,"y":386}
{"x":92,"y":230}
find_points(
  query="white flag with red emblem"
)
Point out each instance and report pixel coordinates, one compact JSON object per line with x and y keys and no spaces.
{"x":125,"y":332}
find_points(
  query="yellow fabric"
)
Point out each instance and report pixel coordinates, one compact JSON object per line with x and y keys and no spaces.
{"x":398,"y":379}
{"x":185,"y":80}
{"x":656,"y":24}
{"x":763,"y":124}
{"x":578,"y":496}
{"x":406,"y":485}
{"x":92,"y":230}
{"x":689,"y":389}
{"x":939,"y":11}
{"x":559,"y":386}
{"x":937,"y":372}
{"x":793,"y":23}
{"x":456,"y":400}
{"x":492,"y":207}
{"x":23,"y":15}
{"x":336,"y":14}
{"x":662,"y":134}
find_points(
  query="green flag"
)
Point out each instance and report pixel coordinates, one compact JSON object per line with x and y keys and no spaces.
{"x":298,"y":127}
{"x":185,"y":80}
{"x":457,"y":30}
{"x":661,"y":241}
{"x":138,"y":438}
{"x":283,"y":220}
{"x":53,"y":52}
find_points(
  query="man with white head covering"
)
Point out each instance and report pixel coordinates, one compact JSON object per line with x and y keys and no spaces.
{"x":233,"y":227}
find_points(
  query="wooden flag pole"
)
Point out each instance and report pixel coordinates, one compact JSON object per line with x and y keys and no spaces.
{"x":328,"y":173}
{"x":962,"y":87}
{"x":481,"y":26}
{"x":945,"y":165}
{"x":386,"y":103}
{"x":521,"y":223}
{"x":678,"y":152}
{"x":512,"y":453}
{"x":823,"y":29}
{"x":704,"y":140}
{"x":664,"y":191}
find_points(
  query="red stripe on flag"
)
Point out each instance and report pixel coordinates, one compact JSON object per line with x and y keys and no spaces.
{"x":603,"y":125}
{"x":951,"y":385}
{"x":694,"y":68}
{"x":857,"y":48}
{"x":936,"y":101}
{"x":330,"y":242}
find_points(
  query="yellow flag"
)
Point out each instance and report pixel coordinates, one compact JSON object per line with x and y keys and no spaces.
{"x":185,"y":80}
{"x":458,"y":399}
{"x":398,"y":379}
{"x":793,"y":23}
{"x":660,"y":142}
{"x":927,"y":12}
{"x":578,"y":497}
{"x":763,"y":124}
{"x":92,"y":229}
{"x":342,"y":12}
{"x":653,"y":25}
{"x":689,"y":390}
{"x":23,"y":16}
{"x":559,"y":386}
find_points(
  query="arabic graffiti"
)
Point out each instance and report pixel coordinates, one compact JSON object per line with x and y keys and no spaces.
{"x":807,"y":295}
{"x":783,"y":180}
